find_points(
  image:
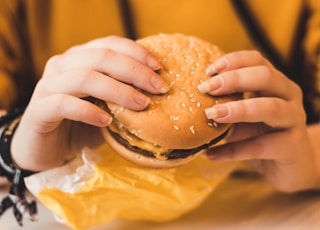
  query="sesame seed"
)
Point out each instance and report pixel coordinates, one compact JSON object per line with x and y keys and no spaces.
{"x":191,"y":94}
{"x":192,"y":129}
{"x":150,"y":112}
{"x":198,"y":104}
{"x":129,"y":137}
{"x":183,"y":105}
{"x":215,"y":124}
{"x":168,"y":97}
{"x":135,"y":132}
{"x":181,"y":93}
{"x":176,"y":127}
{"x":174,"y":118}
{"x":190,"y":109}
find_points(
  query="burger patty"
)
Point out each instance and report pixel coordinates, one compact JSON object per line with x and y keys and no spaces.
{"x":173,"y":154}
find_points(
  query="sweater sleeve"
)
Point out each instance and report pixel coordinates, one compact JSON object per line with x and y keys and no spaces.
{"x":312,"y":50}
{"x":16,"y":69}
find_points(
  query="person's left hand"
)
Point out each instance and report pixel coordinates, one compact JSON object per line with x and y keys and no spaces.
{"x":269,"y":130}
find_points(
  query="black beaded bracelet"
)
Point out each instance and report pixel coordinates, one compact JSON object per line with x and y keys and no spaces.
{"x":17,"y":199}
{"x":9,"y":116}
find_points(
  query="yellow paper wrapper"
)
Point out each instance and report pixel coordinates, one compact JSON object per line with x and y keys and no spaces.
{"x":99,"y":186}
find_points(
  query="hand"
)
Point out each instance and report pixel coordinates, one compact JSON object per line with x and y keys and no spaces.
{"x":270,"y":129}
{"x":58,"y":122}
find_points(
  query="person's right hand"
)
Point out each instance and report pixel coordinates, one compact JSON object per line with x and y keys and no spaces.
{"x":58,"y":122}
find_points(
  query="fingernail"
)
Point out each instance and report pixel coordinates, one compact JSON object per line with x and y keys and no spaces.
{"x":212,"y":84}
{"x":141,"y":99}
{"x":159,"y":85}
{"x":216,"y":67}
{"x":153,"y":63}
{"x":105,"y":119}
{"x":218,"y":111}
{"x":204,"y":87}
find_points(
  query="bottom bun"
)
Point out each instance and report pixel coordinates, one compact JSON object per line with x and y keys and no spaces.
{"x":142,"y":160}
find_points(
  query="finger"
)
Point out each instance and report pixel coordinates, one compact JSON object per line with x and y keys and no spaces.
{"x":252,"y":149}
{"x":83,"y":83}
{"x":242,"y":131}
{"x":272,"y":111}
{"x":122,"y":45}
{"x":50,"y":111}
{"x":266,"y":81}
{"x":111,"y":63}
{"x":236,"y":60}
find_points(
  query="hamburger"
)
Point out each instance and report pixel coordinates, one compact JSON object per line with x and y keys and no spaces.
{"x":173,"y":129}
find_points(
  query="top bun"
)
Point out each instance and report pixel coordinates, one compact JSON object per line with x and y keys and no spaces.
{"x":177,"y":120}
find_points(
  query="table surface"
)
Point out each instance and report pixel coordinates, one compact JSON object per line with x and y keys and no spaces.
{"x":243,"y":201}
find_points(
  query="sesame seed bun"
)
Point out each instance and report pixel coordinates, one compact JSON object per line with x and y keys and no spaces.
{"x":175,"y":120}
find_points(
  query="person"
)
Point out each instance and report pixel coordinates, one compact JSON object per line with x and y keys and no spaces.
{"x":58,"y":55}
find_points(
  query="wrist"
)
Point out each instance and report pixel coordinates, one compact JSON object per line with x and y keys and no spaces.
{"x":314,"y":133}
{"x":16,"y":199}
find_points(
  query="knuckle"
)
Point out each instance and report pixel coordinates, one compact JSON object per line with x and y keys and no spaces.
{"x":104,"y":55}
{"x":82,"y":76}
{"x":120,"y":94}
{"x":265,"y":72}
{"x":54,"y":59}
{"x":52,"y":65}
{"x":256,"y":53}
{"x":85,"y":110}
{"x":240,"y":108}
{"x":101,"y":42}
{"x":275,"y":106}
{"x":57,"y":102}
{"x":298,"y":91}
{"x":235,"y":81}
{"x":112,"y":38}
{"x":139,"y":76}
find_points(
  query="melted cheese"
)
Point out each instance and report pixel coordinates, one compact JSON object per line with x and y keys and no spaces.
{"x":159,"y":152}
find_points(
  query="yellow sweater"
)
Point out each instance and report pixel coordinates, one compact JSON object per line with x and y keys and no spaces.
{"x":31,"y":31}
